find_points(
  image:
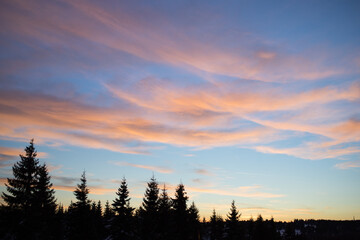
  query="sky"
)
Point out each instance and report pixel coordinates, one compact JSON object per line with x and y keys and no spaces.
{"x":251,"y":101}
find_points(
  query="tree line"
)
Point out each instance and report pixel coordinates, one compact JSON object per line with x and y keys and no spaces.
{"x":31,"y":212}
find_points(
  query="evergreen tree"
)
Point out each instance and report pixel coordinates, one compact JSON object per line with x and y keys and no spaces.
{"x":45,"y":205}
{"x":165,"y":221}
{"x":122,"y":227}
{"x":233,"y":227}
{"x":216,"y":226}
{"x":108,"y":213}
{"x":44,"y":194}
{"x":150,"y":204}
{"x":98,"y":209}
{"x":30,"y":199}
{"x":108,"y":217}
{"x":180,"y":212}
{"x":81,"y":221}
{"x":164,"y":202}
{"x":260,"y":229}
{"x":22,"y":187}
{"x":149,"y":211}
{"x":81,"y":194}
{"x":194,"y":222}
{"x":121,"y":205}
{"x":250,"y":228}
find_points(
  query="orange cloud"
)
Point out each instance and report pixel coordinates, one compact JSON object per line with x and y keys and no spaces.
{"x":117,"y":29}
{"x":248,"y":192}
{"x":201,"y":116}
{"x":204,"y":172}
{"x":152,"y":168}
{"x":7,"y":155}
{"x":93,"y":189}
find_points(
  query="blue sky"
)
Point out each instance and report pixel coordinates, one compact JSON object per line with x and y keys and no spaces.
{"x":250,"y":101}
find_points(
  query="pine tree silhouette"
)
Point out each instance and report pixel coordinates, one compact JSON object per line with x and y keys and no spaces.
{"x":216,"y":226}
{"x":149,"y":211}
{"x":44,"y":194}
{"x":81,"y":222}
{"x":260,"y":229}
{"x":81,"y":194}
{"x":194,"y":222}
{"x":165,"y":216}
{"x":30,"y":198}
{"x":23,"y":186}
{"x":122,"y":224}
{"x":179,"y":205}
{"x":232,"y":222}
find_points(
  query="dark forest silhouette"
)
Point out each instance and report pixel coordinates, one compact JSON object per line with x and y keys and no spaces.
{"x":31,"y":212}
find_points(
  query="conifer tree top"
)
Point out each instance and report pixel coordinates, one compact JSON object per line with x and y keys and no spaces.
{"x":81,"y":192}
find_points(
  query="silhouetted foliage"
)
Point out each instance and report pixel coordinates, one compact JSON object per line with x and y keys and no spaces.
{"x":216,"y":226}
{"x":22,"y":187}
{"x":81,"y":224}
{"x":122,"y":222}
{"x":30,"y":201}
{"x":148,"y":212}
{"x":233,"y":230}
{"x":194,"y":228}
{"x":81,"y":194}
{"x":31,"y":212}
{"x":180,"y":212}
{"x":165,"y":215}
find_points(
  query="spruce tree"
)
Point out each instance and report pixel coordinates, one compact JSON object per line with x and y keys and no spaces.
{"x":22,"y":187}
{"x":149,"y":211}
{"x":164,"y":202}
{"x":108,"y":213}
{"x":216,"y":226}
{"x":81,"y":194}
{"x":121,"y":205}
{"x":44,"y":194}
{"x":99,"y":209}
{"x":180,"y":212}
{"x":165,"y":217}
{"x":45,"y":205}
{"x":122,"y":226}
{"x":233,"y":227}
{"x":194,"y":222}
{"x":260,"y":229}
{"x":30,"y":199}
{"x":108,"y":218}
{"x":150,"y":204}
{"x":80,"y":223}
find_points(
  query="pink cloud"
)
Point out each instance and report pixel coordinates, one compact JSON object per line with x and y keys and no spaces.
{"x":148,"y":167}
{"x":247,"y":191}
{"x":117,"y":29}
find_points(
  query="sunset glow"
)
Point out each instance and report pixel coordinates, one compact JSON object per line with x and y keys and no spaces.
{"x":252,"y":101}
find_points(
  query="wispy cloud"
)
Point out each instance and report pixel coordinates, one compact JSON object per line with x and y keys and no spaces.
{"x":9,"y":155}
{"x":121,"y":31}
{"x":204,"y":172}
{"x":93,"y":189}
{"x":349,"y":164}
{"x":245,"y":191}
{"x":142,"y":112}
{"x":148,"y":167}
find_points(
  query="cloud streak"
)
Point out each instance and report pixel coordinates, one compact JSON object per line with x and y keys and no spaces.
{"x":148,"y":167}
{"x":139,"y":113}
{"x":115,"y":28}
{"x":245,"y":191}
{"x":349,"y":164}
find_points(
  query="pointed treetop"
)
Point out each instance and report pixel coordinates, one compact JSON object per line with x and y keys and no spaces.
{"x":151,"y":196}
{"x":81,"y":193}
{"x":234,"y":214}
